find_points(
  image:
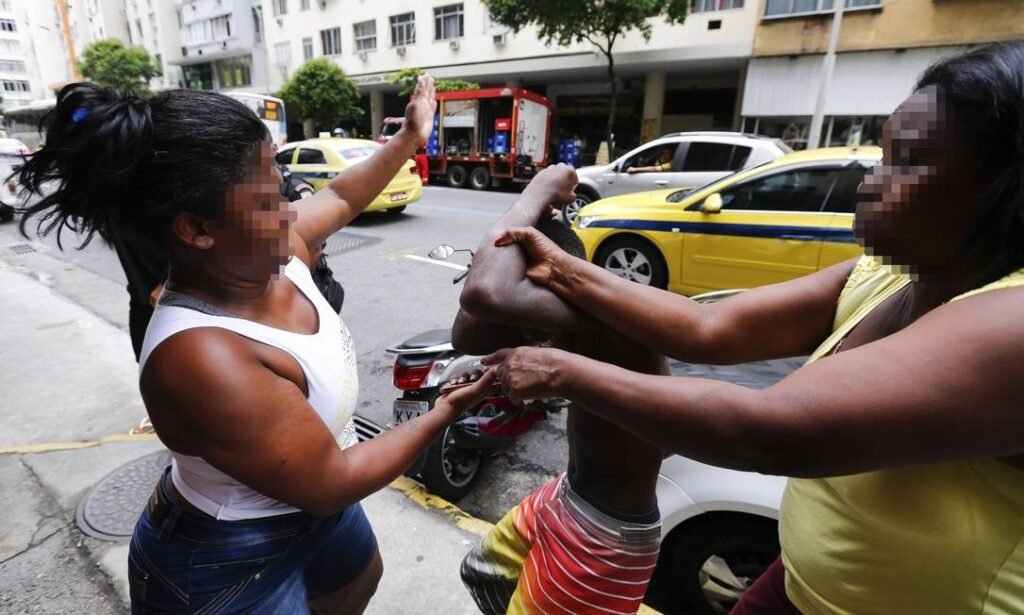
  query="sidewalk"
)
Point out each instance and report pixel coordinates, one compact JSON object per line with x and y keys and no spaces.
{"x":67,"y":383}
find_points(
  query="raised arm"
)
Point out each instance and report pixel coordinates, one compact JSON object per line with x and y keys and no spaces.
{"x":945,"y":388}
{"x":354,"y":189}
{"x":781,"y":320}
{"x":497,"y":289}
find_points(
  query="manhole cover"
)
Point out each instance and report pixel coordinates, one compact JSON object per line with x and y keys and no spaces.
{"x":339,"y":243}
{"x":22,"y":248}
{"x":111,"y":508}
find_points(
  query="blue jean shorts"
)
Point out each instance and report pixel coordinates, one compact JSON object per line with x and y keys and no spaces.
{"x":183,"y":562}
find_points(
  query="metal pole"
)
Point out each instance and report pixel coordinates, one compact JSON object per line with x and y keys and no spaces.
{"x":827,"y":67}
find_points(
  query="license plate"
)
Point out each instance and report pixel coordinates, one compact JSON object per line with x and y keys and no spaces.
{"x":397,"y":196}
{"x":408,"y":410}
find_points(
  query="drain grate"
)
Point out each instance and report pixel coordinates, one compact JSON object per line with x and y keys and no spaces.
{"x":340,"y":243}
{"x":22,"y":248}
{"x":111,"y":508}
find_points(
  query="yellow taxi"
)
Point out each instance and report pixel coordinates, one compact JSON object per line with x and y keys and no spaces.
{"x":772,"y":223}
{"x":318,"y":161}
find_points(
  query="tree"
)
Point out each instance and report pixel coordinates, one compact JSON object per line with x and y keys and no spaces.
{"x":601,"y":22}
{"x":321,"y":93}
{"x":407,"y":78}
{"x":110,"y":64}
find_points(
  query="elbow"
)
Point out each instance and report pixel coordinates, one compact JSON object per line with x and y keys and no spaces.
{"x":479,"y":299}
{"x":773,"y":441}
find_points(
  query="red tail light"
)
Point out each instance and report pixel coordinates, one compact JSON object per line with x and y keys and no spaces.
{"x":410,"y":378}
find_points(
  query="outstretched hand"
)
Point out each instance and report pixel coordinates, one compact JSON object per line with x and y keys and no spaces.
{"x":419,"y":113}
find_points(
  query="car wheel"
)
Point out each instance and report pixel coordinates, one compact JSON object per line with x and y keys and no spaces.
{"x":450,"y":471}
{"x":635,"y":260}
{"x":570,"y":211}
{"x":457,"y":176}
{"x":396,"y":210}
{"x":480,"y":178}
{"x":705,"y":567}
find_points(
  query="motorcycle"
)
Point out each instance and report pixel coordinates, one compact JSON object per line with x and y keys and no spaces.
{"x":423,"y":364}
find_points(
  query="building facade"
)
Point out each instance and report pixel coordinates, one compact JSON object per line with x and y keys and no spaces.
{"x":153,"y":24}
{"x":687,"y":76}
{"x":222,"y":45}
{"x":883,"y":47}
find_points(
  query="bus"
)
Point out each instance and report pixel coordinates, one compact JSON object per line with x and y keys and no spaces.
{"x":270,"y":110}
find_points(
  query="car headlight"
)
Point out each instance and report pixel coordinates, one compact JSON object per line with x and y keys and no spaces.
{"x":583,"y":222}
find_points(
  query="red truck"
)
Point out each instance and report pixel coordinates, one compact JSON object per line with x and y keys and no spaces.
{"x":485,"y":137}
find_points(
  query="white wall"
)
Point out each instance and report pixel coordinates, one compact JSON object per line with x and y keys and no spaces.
{"x":42,"y":42}
{"x":522,"y":56}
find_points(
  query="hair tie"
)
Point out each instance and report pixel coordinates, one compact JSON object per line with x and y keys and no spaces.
{"x":79,"y":114}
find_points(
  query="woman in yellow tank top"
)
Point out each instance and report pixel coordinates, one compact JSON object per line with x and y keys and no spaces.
{"x":905,"y":429}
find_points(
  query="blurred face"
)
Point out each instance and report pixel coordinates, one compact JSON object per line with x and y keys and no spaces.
{"x":918,"y":206}
{"x":253,"y":234}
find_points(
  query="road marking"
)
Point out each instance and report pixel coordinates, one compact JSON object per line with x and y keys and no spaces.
{"x":430,"y":261}
{"x":48,"y":447}
{"x":456,"y":210}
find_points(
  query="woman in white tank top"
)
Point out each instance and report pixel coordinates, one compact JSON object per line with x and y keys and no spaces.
{"x":248,"y":375}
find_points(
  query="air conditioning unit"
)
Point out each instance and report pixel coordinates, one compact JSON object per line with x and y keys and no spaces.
{"x":400,"y":51}
{"x":362,"y":55}
{"x":499,"y":40}
{"x":453,"y":44}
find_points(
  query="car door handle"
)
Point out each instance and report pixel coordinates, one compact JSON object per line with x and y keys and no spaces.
{"x":799,"y":237}
{"x":661,"y":182}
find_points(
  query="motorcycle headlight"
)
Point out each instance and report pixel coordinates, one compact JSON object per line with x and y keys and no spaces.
{"x":583,"y":222}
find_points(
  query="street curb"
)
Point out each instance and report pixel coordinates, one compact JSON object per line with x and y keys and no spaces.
{"x":49,"y":447}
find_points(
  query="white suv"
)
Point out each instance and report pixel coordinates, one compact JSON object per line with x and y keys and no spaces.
{"x":678,"y":160}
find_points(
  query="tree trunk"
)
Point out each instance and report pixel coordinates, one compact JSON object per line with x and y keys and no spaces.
{"x":309,"y":128}
{"x":614,"y":102}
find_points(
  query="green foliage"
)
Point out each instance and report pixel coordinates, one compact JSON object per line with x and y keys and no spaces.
{"x":110,"y":64}
{"x":320,"y":91}
{"x":599,"y":21}
{"x":407,"y":78}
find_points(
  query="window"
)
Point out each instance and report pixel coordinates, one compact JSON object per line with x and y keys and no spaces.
{"x":283,"y":54}
{"x":311,"y":156}
{"x":330,"y":41}
{"x":843,"y":199}
{"x":181,"y":21}
{"x":365,"y":35}
{"x":307,"y":48}
{"x":5,"y":6}
{"x":257,"y":23}
{"x":198,"y":76}
{"x":796,"y":190}
{"x":284,"y":156}
{"x":715,"y":5}
{"x":652,"y":156}
{"x":304,"y":5}
{"x":158,"y":61}
{"x":8,"y":25}
{"x":138,"y":29}
{"x":15,"y":86}
{"x":221,"y":27}
{"x":280,"y":7}
{"x":235,"y":72}
{"x":153,"y":28}
{"x":403,"y":29}
{"x":9,"y":46}
{"x":715,"y":157}
{"x":777,"y":8}
{"x":12,"y":66}
{"x":448,"y":22}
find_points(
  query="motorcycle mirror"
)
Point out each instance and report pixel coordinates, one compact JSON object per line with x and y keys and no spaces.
{"x":441,"y":252}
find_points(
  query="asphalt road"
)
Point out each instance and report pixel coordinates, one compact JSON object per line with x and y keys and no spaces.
{"x":390,"y":296}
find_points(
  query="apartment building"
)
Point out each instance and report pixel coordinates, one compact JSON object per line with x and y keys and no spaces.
{"x":153,"y":24}
{"x":687,"y":76}
{"x":222,"y":45}
{"x":883,"y":47}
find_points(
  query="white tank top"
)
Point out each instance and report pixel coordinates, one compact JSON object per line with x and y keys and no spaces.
{"x":328,"y":361}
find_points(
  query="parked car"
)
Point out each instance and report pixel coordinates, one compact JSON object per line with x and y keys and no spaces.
{"x":9,"y":191}
{"x":317,"y":161}
{"x":679,"y":160}
{"x":784,"y":219}
{"x":13,"y":147}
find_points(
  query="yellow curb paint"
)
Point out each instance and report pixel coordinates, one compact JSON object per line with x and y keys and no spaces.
{"x":49,"y":447}
{"x":415,"y":492}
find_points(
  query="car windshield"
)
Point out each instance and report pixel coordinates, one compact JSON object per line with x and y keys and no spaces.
{"x":679,"y":195}
{"x":359,"y":151}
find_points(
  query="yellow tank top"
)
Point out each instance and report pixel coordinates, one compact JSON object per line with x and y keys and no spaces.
{"x":929,"y":539}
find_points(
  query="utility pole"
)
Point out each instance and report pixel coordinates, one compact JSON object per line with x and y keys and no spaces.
{"x":828,"y":65}
{"x":69,"y":41}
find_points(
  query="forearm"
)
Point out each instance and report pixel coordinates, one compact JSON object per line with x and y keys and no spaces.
{"x":713,"y":422}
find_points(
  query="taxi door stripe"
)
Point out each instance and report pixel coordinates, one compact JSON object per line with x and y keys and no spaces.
{"x":823,"y":233}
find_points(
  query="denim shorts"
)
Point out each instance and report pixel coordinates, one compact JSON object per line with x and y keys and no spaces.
{"x":183,"y":562}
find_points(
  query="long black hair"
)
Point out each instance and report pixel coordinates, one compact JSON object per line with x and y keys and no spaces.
{"x":120,"y":165}
{"x":984,"y":89}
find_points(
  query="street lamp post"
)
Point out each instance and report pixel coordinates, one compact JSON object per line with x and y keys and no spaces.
{"x":828,"y":65}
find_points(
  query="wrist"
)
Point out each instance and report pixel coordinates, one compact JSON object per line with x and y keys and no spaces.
{"x":406,"y":139}
{"x":560,"y":378}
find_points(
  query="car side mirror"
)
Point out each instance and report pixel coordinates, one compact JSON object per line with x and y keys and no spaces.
{"x":441,"y":252}
{"x":712,"y":204}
